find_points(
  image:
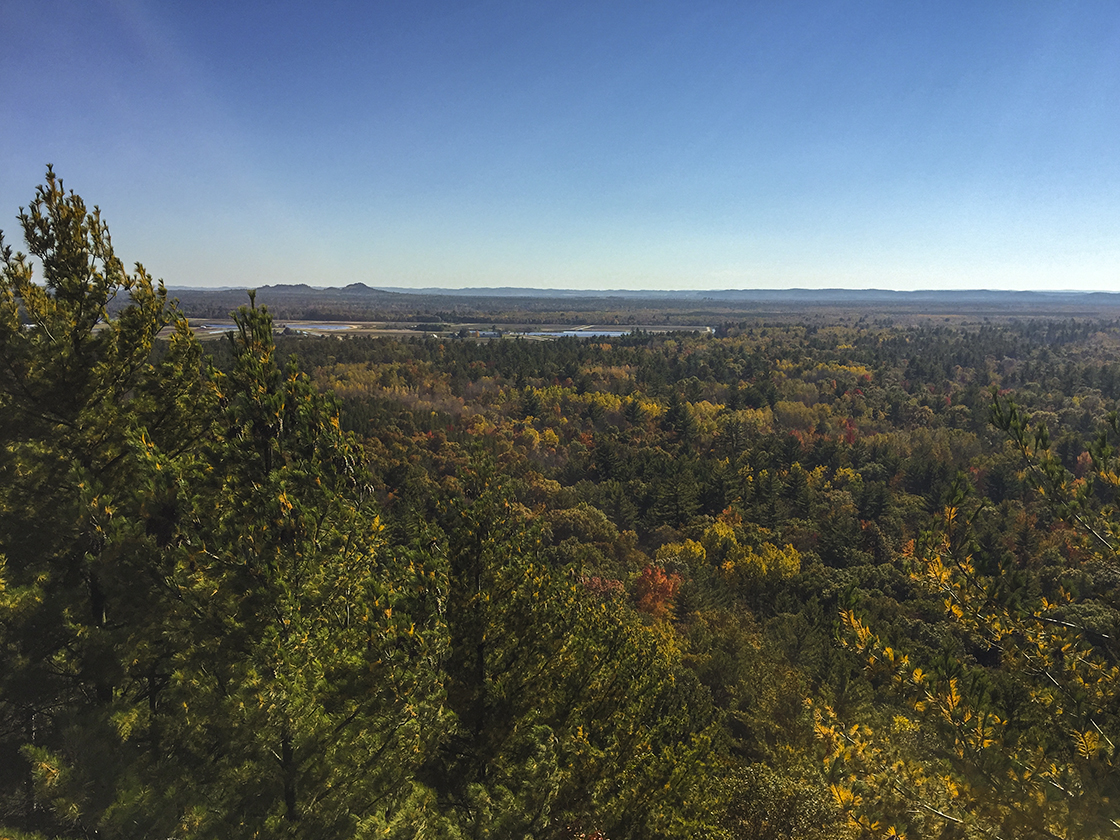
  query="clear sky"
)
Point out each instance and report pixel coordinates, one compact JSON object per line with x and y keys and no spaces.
{"x":570,"y":144}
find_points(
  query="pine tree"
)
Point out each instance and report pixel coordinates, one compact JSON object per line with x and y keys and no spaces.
{"x":202,"y":630}
{"x":572,"y":714}
{"x":79,"y":389}
{"x":1022,"y":743}
{"x":305,"y":686}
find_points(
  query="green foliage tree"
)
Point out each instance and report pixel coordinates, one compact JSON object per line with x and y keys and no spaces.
{"x":305,"y":690}
{"x":78,"y":388}
{"x":571,"y":714}
{"x":203,"y":631}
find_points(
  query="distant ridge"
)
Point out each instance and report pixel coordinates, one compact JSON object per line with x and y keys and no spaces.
{"x":803,"y":295}
{"x":288,"y":288}
{"x":748,"y":294}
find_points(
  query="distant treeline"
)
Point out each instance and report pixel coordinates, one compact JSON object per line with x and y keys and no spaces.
{"x":527,"y":306}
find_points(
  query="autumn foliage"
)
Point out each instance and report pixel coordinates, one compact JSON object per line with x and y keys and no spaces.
{"x":654,"y":591}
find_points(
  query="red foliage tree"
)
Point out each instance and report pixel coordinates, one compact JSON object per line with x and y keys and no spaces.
{"x":654,"y":590}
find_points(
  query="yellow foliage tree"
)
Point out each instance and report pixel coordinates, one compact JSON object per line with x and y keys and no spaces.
{"x":1019,"y":750}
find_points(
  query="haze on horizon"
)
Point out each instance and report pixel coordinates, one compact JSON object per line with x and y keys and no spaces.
{"x":579,"y":145}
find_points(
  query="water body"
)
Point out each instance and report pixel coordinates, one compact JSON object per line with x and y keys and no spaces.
{"x":582,"y":333}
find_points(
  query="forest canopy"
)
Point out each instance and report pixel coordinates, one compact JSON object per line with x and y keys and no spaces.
{"x":788,"y":580}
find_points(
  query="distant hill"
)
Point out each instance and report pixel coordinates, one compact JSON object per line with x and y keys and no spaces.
{"x":800,"y":295}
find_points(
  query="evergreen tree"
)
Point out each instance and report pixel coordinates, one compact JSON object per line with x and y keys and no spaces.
{"x":305,"y":689}
{"x":572,"y":715}
{"x":1018,"y":738}
{"x":203,"y":632}
{"x":78,"y":390}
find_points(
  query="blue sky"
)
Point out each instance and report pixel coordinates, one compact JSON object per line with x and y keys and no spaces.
{"x":578,"y":145}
